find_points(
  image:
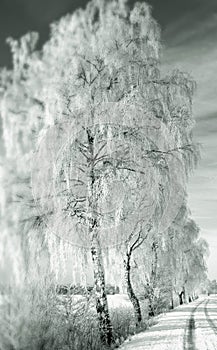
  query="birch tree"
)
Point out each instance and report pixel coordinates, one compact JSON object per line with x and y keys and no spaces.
{"x":194,"y":254}
{"x":104,"y":90}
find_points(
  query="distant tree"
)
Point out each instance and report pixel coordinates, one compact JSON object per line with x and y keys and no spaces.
{"x":186,"y":254}
{"x":195,"y":269}
{"x":212,"y":287}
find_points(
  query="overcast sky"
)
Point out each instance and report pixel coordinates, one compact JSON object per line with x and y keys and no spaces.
{"x":189,"y":33}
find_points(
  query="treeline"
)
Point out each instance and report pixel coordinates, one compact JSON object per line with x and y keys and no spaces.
{"x":97,"y":150}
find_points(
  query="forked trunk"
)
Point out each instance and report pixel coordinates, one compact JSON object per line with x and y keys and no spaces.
{"x":134,"y":300}
{"x":100,"y":295}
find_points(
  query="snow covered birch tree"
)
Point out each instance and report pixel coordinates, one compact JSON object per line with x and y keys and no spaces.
{"x":104,"y":94}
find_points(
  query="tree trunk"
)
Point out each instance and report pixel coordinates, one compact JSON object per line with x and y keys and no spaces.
{"x":99,"y":275}
{"x":184,"y":296}
{"x":151,"y":311}
{"x":153,"y":280}
{"x":100,"y":294}
{"x":172,"y":301}
{"x":134,"y":300}
{"x":181,"y":298}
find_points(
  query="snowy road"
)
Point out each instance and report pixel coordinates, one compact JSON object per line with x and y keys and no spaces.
{"x":188,"y":327}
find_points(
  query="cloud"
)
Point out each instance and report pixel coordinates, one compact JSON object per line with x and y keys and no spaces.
{"x":197,"y":25}
{"x":191,"y":46}
{"x":44,"y":12}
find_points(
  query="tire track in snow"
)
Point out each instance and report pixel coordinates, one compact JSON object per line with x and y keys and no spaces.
{"x":189,"y":336}
{"x":209,"y":320}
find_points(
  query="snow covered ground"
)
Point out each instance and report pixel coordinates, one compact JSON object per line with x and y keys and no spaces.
{"x":188,"y":327}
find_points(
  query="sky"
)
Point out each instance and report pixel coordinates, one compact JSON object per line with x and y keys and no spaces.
{"x":189,"y":37}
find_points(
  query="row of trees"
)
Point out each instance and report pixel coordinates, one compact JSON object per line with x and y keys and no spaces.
{"x":177,"y":266}
{"x":97,"y":150}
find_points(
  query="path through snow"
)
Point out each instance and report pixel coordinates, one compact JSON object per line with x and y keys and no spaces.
{"x":188,"y":327}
